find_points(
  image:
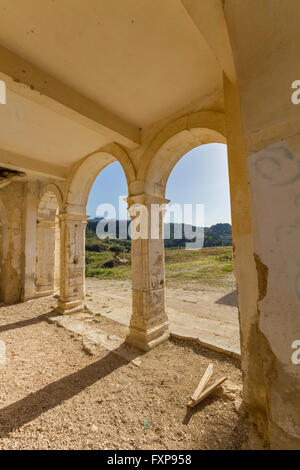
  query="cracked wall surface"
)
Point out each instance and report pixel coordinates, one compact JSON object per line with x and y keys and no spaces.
{"x":12,"y":197}
{"x":271,"y":132}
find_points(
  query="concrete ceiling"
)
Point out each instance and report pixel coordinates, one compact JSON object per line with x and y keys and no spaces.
{"x":141,"y":60}
{"x":32,"y":130}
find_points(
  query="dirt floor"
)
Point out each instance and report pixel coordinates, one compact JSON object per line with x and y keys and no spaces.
{"x":207,"y":312}
{"x":57,"y":394}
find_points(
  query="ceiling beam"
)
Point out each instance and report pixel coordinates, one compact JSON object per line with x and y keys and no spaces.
{"x":24,"y":78}
{"x":15,"y":161}
{"x":208,"y":16}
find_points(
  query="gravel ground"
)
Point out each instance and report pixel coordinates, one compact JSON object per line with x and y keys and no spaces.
{"x":56,"y":395}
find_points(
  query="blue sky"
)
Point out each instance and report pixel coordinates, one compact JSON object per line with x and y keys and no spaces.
{"x":200,"y":177}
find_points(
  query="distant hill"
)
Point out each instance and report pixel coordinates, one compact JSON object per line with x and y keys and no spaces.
{"x":216,"y":235}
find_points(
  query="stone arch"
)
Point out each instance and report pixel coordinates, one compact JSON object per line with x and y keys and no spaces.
{"x":176,"y":140}
{"x":73,"y":222}
{"x":47,"y":193}
{"x":84,"y":174}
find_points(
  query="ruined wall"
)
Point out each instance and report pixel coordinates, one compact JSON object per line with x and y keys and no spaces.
{"x":19,"y":203}
{"x":266,"y":69}
{"x":12,"y":198}
{"x":244,"y":260}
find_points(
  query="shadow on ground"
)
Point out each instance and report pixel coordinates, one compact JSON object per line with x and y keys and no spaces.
{"x":229,"y":299}
{"x":28,"y":322}
{"x":27,"y":409}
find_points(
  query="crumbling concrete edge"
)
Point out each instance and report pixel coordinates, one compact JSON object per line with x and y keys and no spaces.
{"x":173,"y":334}
{"x":204,"y":344}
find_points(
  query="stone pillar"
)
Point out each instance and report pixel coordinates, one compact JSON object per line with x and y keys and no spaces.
{"x":149,"y":323}
{"x":45,"y":252}
{"x":57,"y":256}
{"x":72,"y":263}
{"x":30,"y":229}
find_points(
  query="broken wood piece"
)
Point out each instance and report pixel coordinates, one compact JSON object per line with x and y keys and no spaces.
{"x":206,"y":392}
{"x":203,"y":382}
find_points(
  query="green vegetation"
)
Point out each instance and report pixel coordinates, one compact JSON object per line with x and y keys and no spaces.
{"x":93,"y":243}
{"x":212,"y":265}
{"x":216,"y":235}
{"x":94,"y":266}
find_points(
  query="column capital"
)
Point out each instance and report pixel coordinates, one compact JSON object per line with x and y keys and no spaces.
{"x":68,"y":217}
{"x":146,"y":199}
{"x":46,"y":223}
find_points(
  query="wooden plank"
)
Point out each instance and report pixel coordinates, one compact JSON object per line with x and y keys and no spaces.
{"x":203,"y":382}
{"x":207,"y":392}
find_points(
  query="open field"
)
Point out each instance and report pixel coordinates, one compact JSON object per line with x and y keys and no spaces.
{"x":201,"y":294}
{"x":208,"y":267}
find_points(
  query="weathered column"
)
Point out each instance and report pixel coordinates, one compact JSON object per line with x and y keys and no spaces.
{"x":45,"y":249}
{"x":57,"y":256}
{"x":149,"y":323}
{"x":72,"y":263}
{"x":29,"y":240}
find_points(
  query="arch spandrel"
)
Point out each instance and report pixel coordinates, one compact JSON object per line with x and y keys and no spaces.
{"x":176,"y":140}
{"x":84,"y":174}
{"x":47,"y":191}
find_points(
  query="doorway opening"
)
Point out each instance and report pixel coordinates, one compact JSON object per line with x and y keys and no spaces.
{"x":201,"y":287}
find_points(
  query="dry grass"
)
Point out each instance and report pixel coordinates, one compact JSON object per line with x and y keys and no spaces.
{"x":209,"y":266}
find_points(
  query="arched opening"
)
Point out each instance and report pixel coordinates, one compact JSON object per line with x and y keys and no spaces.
{"x":161,"y":156}
{"x":47,"y":268}
{"x":107,"y":244}
{"x":74,"y":221}
{"x":198,"y":248}
{"x":84,"y":174}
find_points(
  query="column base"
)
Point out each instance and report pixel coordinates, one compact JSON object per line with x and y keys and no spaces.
{"x":70,"y":307}
{"x":148,"y":339}
{"x":46,"y":293}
